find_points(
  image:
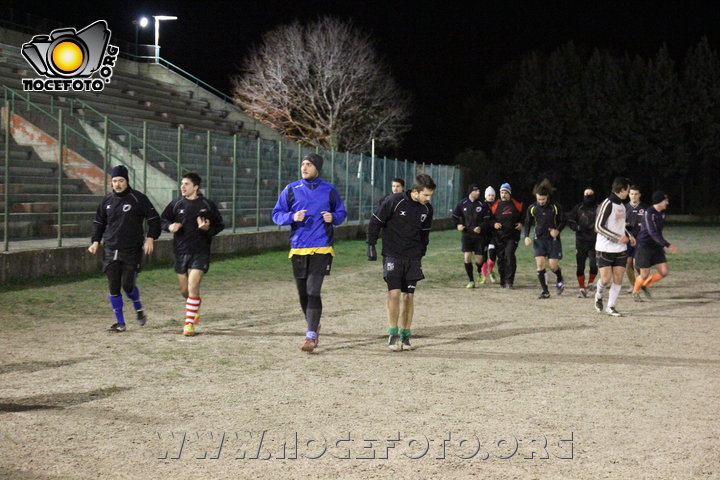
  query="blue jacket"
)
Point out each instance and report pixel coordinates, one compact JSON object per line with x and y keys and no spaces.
{"x":315,"y":196}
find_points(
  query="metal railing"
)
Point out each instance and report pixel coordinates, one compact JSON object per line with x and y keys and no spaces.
{"x":244,"y":176}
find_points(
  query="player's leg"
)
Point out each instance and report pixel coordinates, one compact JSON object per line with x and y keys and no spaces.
{"x":605,"y":263}
{"x":501,"y":262}
{"x":618,"y":272}
{"x":467,"y":258}
{"x":193,"y":301}
{"x":406,"y":320}
{"x":129,"y":285}
{"x":554,"y":255}
{"x":511,"y":248}
{"x":395,"y":297}
{"x":540,"y":270}
{"x":491,"y":259}
{"x":581,"y":255}
{"x":593,"y":266}
{"x":113,"y":271}
{"x":479,"y":262}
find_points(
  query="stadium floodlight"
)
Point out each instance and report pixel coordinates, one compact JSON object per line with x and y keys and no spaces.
{"x":158,"y":19}
{"x":141,"y":22}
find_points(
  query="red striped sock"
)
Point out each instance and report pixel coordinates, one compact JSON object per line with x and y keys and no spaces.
{"x":192,"y":310}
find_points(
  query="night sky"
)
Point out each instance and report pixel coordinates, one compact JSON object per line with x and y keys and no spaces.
{"x":456,"y":62}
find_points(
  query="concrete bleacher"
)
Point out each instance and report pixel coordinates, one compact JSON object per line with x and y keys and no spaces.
{"x":33,"y":197}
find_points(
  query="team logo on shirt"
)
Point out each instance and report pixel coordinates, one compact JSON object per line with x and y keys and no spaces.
{"x":478,"y":209}
{"x":403,"y":213}
{"x":127,"y":207}
{"x":182,"y":210}
{"x":423,"y":217}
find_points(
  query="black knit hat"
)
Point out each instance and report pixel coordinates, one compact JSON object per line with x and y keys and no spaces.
{"x":658,"y":197}
{"x":315,"y":159}
{"x":473,"y":187}
{"x":120,"y":171}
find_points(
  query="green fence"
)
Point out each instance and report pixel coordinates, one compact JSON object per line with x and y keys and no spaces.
{"x":243,"y":174}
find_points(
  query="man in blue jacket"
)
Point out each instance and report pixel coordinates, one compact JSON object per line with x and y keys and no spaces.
{"x":312,"y":207}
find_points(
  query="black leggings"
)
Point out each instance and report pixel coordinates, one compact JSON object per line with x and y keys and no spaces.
{"x":583,"y":253}
{"x":121,"y":275}
{"x":310,"y":301}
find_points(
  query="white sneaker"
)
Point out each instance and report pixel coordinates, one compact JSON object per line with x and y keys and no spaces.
{"x":612,"y":312}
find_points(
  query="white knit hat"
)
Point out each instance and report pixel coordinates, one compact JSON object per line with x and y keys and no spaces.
{"x":489,"y":191}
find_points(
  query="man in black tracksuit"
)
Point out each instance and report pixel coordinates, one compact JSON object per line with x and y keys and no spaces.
{"x":194,"y":220}
{"x":507,"y":217}
{"x":119,"y":225}
{"x":581,"y":220}
{"x":405,"y":219}
{"x":549,"y":221}
{"x":472,"y":217}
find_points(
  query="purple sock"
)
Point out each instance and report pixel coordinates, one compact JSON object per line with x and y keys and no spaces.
{"x":116,"y":302}
{"x":135,"y":297}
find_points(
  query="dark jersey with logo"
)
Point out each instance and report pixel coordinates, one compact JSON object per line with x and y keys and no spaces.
{"x":190,"y":239}
{"x":119,"y":221}
{"x":405,"y":224}
{"x":472,"y":214}
{"x":634,"y":217}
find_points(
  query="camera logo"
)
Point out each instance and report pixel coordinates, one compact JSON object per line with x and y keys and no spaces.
{"x":68,"y":58}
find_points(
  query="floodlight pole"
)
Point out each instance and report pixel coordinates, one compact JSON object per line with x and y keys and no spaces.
{"x":158,"y":19}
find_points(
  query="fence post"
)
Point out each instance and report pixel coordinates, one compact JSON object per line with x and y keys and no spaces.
{"x":106,"y":153}
{"x":144,"y":156}
{"x":6,"y":181}
{"x":179,"y":151}
{"x":207,"y":164}
{"x":279,"y":172}
{"x":234,"y":186}
{"x":59,"y":177}
{"x":257,"y":187}
{"x":360,"y":183}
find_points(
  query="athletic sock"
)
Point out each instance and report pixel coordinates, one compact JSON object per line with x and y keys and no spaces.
{"x":478,"y":266}
{"x":393,"y":331}
{"x":192,"y":310}
{"x":404,"y":333}
{"x":592,"y":278}
{"x":614,"y":293}
{"x":116,"y":302}
{"x":484,"y":270}
{"x":491,"y":266}
{"x":541,"y":279}
{"x":558,"y":275}
{"x":581,"y":281}
{"x":135,"y":297}
{"x":638,"y":283}
{"x":600,"y":291}
{"x":469,"y":271}
{"x":310,"y":334}
{"x":655,"y":277}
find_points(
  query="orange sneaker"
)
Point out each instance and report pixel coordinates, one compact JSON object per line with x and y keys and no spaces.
{"x":309,"y":345}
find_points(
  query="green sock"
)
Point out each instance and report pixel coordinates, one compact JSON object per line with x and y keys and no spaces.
{"x":404,"y":332}
{"x":393,"y":331}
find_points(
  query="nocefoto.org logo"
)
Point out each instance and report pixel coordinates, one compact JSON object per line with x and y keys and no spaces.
{"x":68,"y":58}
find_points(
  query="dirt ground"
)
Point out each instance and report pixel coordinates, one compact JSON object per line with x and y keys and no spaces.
{"x":502,"y":385}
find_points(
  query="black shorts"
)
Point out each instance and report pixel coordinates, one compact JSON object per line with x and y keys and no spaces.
{"x":611,"y":259}
{"x":547,"y":247}
{"x":133,"y":257}
{"x":648,"y":255}
{"x":402,"y":273}
{"x":472,"y":242}
{"x":317,"y":264}
{"x":631,"y":250}
{"x":194,"y":261}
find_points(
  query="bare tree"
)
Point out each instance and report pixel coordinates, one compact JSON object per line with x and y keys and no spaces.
{"x":323,"y":85}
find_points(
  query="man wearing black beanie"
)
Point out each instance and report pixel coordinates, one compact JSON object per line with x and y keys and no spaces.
{"x":652,"y":244}
{"x":119,"y":225}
